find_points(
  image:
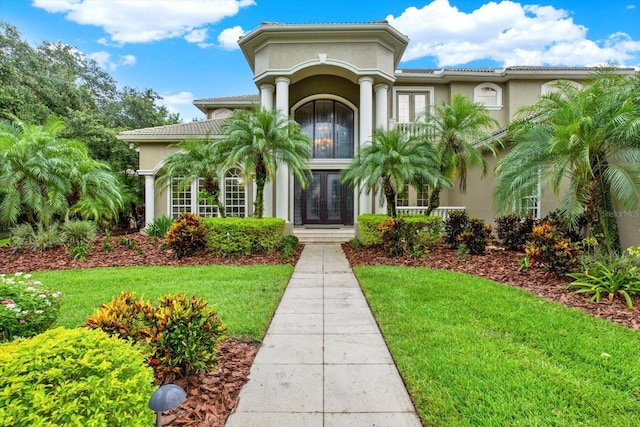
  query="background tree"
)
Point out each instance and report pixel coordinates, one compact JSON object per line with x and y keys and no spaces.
{"x":197,"y":159}
{"x":461,"y":131}
{"x":258,"y":140}
{"x":43,"y":176}
{"x":392,"y":160}
{"x":585,"y":138}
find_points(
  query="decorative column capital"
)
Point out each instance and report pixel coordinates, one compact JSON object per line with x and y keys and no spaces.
{"x":283,"y":79}
{"x":365,"y":79}
{"x":267,"y":86}
{"x":381,"y":86}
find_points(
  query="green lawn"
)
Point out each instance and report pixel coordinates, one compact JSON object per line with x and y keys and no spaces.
{"x":477,"y":353}
{"x":245,"y":297}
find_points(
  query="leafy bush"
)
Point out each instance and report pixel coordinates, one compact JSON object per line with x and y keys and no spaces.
{"x":22,"y":234}
{"x":80,"y":251}
{"x":571,"y":232}
{"x":390,"y":228}
{"x":180,"y":334}
{"x":454,"y":226}
{"x":413,"y":235}
{"x":49,"y":238}
{"x":514,"y":231}
{"x":551,"y":250}
{"x":67,"y":377}
{"x":355,"y":243}
{"x":76,"y":233}
{"x":613,"y":277}
{"x":159,"y":227}
{"x":475,"y":236}
{"x":187,"y":235}
{"x":368,"y":232}
{"x":288,"y":245}
{"x":25,"y":309}
{"x":228,"y":237}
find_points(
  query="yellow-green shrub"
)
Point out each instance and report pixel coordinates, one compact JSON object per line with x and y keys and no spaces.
{"x":229,"y":237}
{"x":74,"y":377}
{"x":368,"y":232}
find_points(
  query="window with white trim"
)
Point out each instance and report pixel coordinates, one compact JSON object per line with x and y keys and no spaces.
{"x":411,"y":106}
{"x":422,"y":198}
{"x":489,"y":94}
{"x":207,"y":207}
{"x":234,"y":193}
{"x":551,"y":86}
{"x":402,"y":199}
{"x":180,"y":198}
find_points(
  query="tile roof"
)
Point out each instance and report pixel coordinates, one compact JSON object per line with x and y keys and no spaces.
{"x":230,"y":99}
{"x":197,"y":128}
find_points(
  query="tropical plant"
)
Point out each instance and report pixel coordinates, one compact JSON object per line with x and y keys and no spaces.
{"x":514,"y":231}
{"x":187,"y":235}
{"x":617,"y":277}
{"x":583,"y":143}
{"x":460,"y":131}
{"x":197,"y":159}
{"x":42,"y":176}
{"x":159,"y":226}
{"x":390,"y":161}
{"x":259,"y":141}
{"x":79,"y":232}
{"x":550,"y":249}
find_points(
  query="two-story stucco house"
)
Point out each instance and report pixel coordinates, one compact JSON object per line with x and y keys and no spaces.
{"x":340,"y":82}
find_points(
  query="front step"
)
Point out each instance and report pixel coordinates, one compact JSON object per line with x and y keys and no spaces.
{"x":324,"y":235}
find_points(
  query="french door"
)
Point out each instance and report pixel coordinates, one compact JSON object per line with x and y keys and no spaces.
{"x":325,"y":200}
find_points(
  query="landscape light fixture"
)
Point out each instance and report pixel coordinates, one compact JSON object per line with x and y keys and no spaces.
{"x":165,"y":398}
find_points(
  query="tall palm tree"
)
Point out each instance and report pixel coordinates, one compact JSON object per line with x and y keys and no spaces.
{"x":392,"y":160}
{"x":461,"y":131}
{"x":260,"y":139}
{"x":586,"y":138}
{"x":42,"y":175}
{"x":197,"y":159}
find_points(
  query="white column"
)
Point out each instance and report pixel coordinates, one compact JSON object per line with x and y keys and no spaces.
{"x":366,"y":128}
{"x":266,"y":101}
{"x":382,"y":106}
{"x":382,"y":117}
{"x":282,"y":173}
{"x":266,"y":96}
{"x":149,"y":199}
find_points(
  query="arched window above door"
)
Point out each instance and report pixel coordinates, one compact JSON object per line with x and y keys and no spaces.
{"x":330,"y":125}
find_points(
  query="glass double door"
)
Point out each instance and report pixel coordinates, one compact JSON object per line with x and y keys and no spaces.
{"x":325,"y":200}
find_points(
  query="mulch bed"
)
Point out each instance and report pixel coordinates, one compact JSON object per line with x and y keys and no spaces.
{"x":212,"y":395}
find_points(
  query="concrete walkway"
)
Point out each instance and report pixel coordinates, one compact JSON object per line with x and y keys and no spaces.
{"x":323,"y":361}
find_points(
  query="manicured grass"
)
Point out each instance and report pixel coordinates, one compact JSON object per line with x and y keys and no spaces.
{"x":245,"y":297}
{"x":477,"y":353}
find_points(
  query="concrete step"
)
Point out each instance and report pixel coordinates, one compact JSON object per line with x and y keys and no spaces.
{"x":324,"y":235}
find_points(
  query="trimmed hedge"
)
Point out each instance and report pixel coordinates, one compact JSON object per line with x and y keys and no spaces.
{"x":73,"y":377}
{"x":418,"y":232}
{"x":368,"y":232}
{"x":230,"y":237}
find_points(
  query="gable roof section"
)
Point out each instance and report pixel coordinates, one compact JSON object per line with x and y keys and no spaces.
{"x":231,"y":102}
{"x":197,"y":129}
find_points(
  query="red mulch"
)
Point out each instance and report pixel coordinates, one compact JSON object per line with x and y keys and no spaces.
{"x":211,"y":395}
{"x":502,"y":266}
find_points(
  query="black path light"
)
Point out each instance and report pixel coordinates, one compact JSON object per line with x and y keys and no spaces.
{"x":165,"y":398}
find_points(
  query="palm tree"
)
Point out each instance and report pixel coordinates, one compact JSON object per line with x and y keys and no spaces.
{"x":260,"y":139}
{"x":461,"y":131}
{"x":42,"y":176}
{"x":585,"y":138}
{"x":392,"y":160}
{"x":197,"y":159}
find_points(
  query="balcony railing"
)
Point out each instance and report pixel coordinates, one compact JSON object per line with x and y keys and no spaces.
{"x":441,"y":211}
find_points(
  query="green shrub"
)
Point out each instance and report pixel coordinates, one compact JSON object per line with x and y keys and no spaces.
{"x":454,"y":226}
{"x":187,"y":235}
{"x":159,"y":227}
{"x":368,"y":232}
{"x":76,"y":233}
{"x":475,"y":236}
{"x":228,"y":237}
{"x":514,"y":231}
{"x":25,"y":308}
{"x":74,"y":377}
{"x":413,"y":235}
{"x":80,"y":251}
{"x":355,"y":243}
{"x":288,"y":245}
{"x":613,"y":277}
{"x":180,"y":334}
{"x":46,"y":239}
{"x":551,"y":250}
{"x":390,"y":228}
{"x":22,"y":234}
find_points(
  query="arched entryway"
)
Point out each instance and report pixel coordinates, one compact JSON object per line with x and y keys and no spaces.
{"x":330,"y":124}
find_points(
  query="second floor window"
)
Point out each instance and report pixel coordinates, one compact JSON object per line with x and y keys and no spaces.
{"x":411,"y":106}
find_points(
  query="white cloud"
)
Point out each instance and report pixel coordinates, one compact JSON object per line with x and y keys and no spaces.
{"x":180,"y":103}
{"x":508,"y":33}
{"x":142,"y":21}
{"x":105,"y":61}
{"x":228,"y":39}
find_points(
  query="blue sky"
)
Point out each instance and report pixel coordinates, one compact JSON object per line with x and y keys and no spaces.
{"x":186,"y":49}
